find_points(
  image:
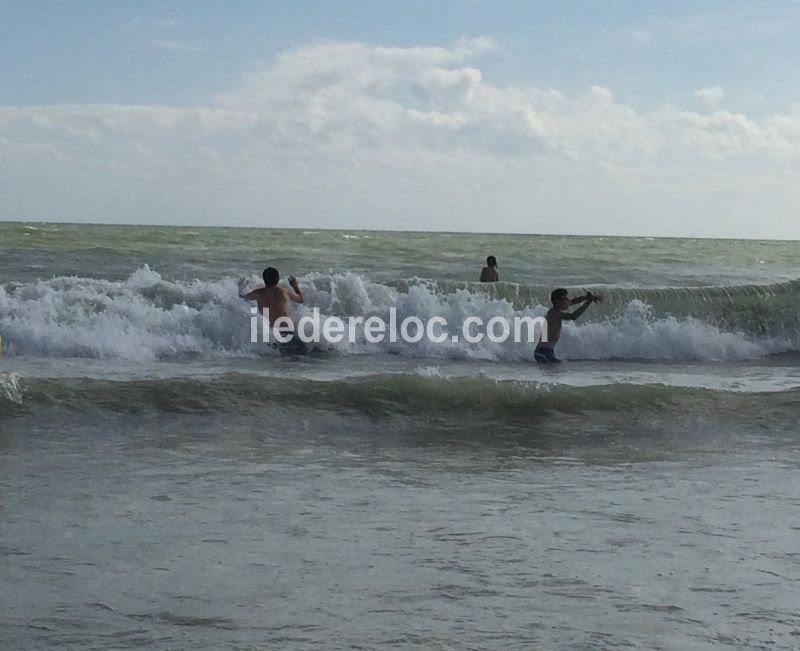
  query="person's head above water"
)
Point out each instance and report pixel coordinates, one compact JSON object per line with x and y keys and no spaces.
{"x":491,"y":261}
{"x":559,"y":296}
{"x":271,"y":276}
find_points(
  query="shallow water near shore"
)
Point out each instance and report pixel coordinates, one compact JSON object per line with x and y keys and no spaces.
{"x":167,"y":484}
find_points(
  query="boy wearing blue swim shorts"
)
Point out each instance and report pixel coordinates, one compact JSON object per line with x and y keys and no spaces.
{"x":545,"y":350}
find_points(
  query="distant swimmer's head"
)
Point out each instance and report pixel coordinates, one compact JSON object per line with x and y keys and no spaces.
{"x":271,"y":276}
{"x":559,"y":298}
{"x":491,"y":261}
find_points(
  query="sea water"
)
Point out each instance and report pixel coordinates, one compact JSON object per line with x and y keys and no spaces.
{"x":167,"y":483}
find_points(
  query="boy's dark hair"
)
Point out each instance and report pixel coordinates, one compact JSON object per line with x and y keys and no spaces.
{"x":491,"y":261}
{"x":557,"y":294}
{"x":271,"y":276}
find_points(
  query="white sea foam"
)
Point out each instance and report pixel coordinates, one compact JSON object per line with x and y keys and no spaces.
{"x":10,"y":388}
{"x":147,"y":317}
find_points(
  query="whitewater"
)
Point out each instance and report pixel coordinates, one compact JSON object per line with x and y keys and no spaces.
{"x":146,"y":317}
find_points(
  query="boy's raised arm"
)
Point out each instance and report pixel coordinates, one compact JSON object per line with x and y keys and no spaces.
{"x":572,"y":316}
{"x":581,"y":299}
{"x":297,"y":294}
{"x":243,"y":293}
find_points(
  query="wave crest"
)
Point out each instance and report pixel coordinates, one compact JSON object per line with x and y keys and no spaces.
{"x":148,"y":317}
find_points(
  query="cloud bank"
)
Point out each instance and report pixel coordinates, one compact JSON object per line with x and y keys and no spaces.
{"x":349,"y":134}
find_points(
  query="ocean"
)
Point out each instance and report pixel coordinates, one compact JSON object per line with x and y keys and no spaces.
{"x":168,"y":484}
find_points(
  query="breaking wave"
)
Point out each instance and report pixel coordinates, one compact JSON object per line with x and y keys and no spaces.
{"x":147,"y":317}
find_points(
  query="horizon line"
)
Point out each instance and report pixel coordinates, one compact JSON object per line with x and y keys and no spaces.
{"x":411,"y":231}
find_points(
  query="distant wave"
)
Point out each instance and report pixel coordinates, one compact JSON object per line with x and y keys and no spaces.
{"x":148,"y":317}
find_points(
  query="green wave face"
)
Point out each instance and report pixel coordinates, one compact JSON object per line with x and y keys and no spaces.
{"x":379,"y":395}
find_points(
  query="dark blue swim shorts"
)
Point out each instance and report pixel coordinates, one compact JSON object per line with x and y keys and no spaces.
{"x":545,"y":355}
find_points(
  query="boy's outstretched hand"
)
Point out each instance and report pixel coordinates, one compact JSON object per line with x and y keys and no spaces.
{"x":594,"y":298}
{"x":293,"y":283}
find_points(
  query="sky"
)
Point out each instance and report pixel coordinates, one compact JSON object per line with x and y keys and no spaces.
{"x":618,"y":117}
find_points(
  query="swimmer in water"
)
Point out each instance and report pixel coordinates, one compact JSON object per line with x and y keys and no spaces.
{"x":489,"y":272}
{"x":556,"y":315}
{"x":273,"y":302}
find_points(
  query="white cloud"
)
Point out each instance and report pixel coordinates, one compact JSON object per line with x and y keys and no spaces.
{"x":710,"y":96}
{"x":92,"y":120}
{"x":415,"y":133}
{"x":340,"y":96}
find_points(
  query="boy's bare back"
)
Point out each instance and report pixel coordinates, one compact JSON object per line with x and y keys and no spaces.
{"x":273,"y":299}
